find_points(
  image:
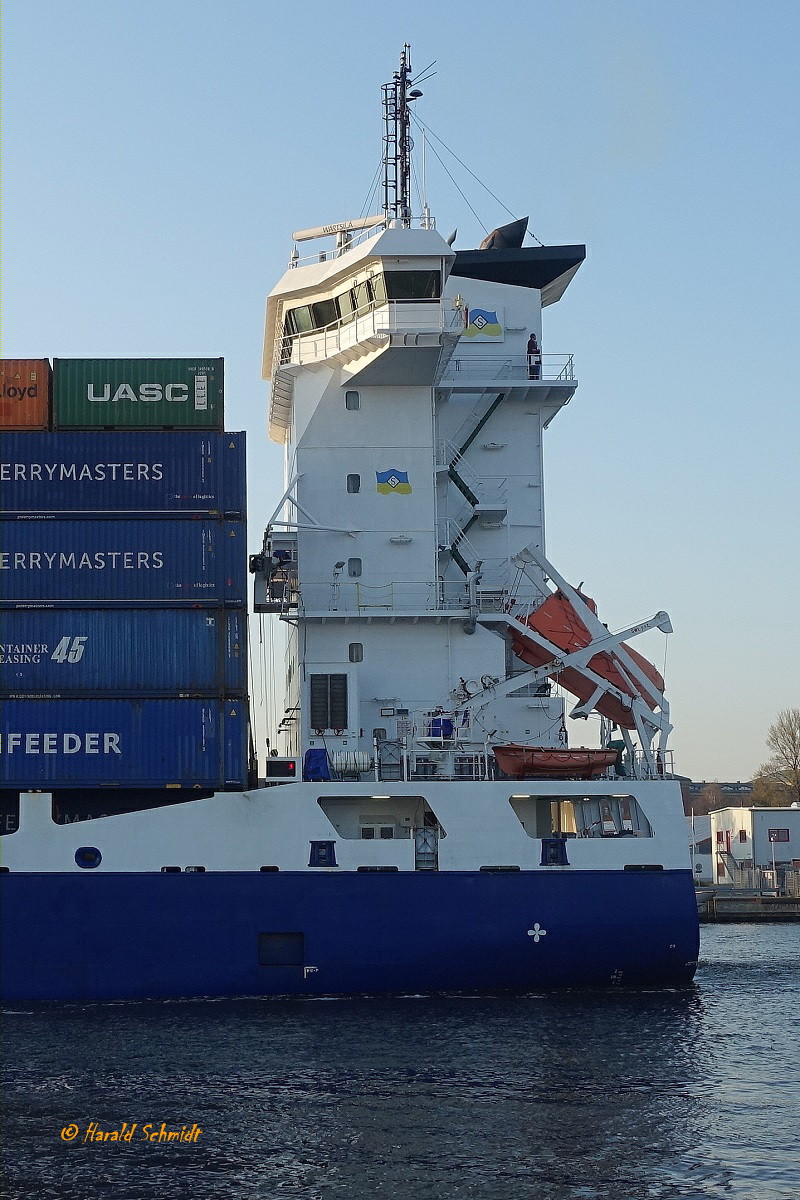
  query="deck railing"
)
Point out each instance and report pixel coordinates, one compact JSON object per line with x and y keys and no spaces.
{"x":353,"y":597}
{"x":517,"y":367}
{"x":377,"y":319}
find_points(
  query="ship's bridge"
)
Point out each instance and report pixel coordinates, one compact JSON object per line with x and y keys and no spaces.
{"x":357,"y":310}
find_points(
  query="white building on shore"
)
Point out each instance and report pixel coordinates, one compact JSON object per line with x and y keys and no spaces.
{"x":754,"y":839}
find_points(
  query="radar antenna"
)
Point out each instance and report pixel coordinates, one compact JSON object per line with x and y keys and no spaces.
{"x":397,"y":142}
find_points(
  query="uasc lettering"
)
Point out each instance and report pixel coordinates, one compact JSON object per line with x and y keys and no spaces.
{"x":148,"y":393}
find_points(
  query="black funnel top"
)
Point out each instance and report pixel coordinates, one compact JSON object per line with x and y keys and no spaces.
{"x":506,"y":237}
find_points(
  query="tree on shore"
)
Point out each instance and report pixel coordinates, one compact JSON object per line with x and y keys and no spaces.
{"x":777,"y":781}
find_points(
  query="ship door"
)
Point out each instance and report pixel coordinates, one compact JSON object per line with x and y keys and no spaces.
{"x":389,"y":758}
{"x":426,"y":848}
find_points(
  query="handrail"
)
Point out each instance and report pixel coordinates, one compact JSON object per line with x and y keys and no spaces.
{"x":354,"y":596}
{"x":511,"y":366}
{"x":356,"y":238}
{"x":377,"y":317}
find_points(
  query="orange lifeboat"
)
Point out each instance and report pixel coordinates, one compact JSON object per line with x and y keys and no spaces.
{"x":534,"y":762}
{"x":558,"y":622}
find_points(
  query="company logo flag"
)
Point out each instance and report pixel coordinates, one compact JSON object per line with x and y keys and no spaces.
{"x":483,"y":323}
{"x":393,"y":481}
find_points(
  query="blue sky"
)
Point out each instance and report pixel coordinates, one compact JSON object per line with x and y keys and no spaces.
{"x":157,"y":157}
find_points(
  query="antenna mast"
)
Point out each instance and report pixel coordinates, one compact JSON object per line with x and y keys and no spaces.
{"x":397,"y":143}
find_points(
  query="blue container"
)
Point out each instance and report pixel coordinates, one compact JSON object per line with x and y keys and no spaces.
{"x":119,"y":562}
{"x":123,"y":652}
{"x":170,"y":473}
{"x":47,"y":744}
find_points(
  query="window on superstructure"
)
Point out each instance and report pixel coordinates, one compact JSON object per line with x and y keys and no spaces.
{"x":300,"y":319}
{"x":356,"y":652}
{"x":352,"y":401}
{"x":353,"y":483}
{"x":362,"y":296}
{"x":742,"y":835}
{"x":324,"y":313}
{"x":378,"y":285}
{"x":328,"y":701}
{"x":345,"y":305}
{"x":354,"y":567}
{"x":413,"y":285}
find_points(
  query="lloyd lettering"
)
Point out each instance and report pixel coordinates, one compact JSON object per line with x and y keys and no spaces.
{"x":148,"y":393}
{"x":19,"y":393}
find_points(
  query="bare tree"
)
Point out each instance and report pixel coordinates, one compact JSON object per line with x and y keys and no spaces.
{"x":781,"y":774}
{"x":770,"y":790}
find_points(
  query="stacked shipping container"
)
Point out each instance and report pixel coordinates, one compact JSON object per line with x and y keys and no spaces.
{"x":123,"y":578}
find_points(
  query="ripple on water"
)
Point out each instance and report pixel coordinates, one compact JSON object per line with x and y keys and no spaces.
{"x":654,"y":1096}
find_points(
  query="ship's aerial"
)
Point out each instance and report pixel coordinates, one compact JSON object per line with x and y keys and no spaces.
{"x":420,"y":821}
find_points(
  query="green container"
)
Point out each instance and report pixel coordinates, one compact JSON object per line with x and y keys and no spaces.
{"x":138,"y":393}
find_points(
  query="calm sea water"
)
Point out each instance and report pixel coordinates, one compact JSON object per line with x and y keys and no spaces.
{"x":672,"y":1095}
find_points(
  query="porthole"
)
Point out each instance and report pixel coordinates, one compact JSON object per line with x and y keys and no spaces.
{"x":88,"y":857}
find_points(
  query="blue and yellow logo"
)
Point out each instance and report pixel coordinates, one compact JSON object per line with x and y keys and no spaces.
{"x":483,"y":322}
{"x":393,"y":481}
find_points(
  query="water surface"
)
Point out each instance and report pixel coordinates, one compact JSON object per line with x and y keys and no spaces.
{"x":688,"y":1095}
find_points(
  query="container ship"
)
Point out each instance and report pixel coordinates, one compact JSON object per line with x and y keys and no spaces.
{"x":420,"y":822}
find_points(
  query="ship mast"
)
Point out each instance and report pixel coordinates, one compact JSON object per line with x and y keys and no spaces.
{"x":397,"y":142}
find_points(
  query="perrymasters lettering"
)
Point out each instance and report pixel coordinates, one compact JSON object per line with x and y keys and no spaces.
{"x":80,"y":472}
{"x":59,"y":743}
{"x":114,"y":560}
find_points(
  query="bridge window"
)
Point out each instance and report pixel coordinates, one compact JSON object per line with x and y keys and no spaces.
{"x":362,"y":296}
{"x":413,"y":285}
{"x":346,"y":304}
{"x":354,"y":567}
{"x":300,"y":320}
{"x":324,"y":313}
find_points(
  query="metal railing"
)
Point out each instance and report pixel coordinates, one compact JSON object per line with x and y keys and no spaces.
{"x":354,"y":597}
{"x":763,"y":879}
{"x":516,"y":367}
{"x":354,"y":238}
{"x":377,"y":319}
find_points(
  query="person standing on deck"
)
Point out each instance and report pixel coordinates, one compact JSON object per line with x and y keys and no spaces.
{"x":534,"y":358}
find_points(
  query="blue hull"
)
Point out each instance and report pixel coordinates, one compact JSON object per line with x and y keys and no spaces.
{"x":89,"y":937}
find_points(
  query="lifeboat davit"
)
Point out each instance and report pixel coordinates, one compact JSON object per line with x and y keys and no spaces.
{"x":535,"y":762}
{"x":558,"y":622}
